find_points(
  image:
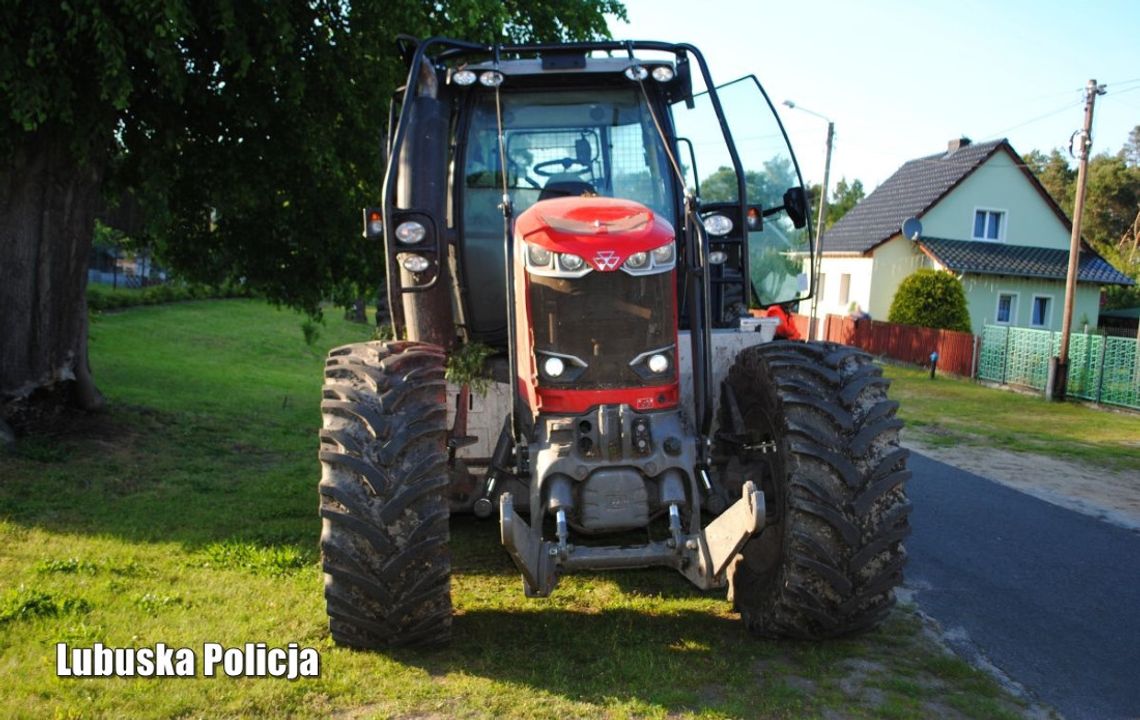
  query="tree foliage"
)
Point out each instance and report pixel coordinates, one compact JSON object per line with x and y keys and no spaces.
{"x":844,"y":197}
{"x":248,"y":132}
{"x":933,"y":299}
{"x":765,"y":188}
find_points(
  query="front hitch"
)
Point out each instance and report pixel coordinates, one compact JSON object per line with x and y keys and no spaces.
{"x":701,"y":557}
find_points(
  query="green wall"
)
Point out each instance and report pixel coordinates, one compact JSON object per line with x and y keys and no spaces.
{"x":982,"y":296}
{"x":998,"y":185}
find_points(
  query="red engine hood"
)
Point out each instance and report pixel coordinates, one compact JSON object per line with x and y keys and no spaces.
{"x":603,"y":231}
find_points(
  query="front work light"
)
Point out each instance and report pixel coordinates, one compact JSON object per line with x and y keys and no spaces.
{"x":662,"y":73}
{"x":415,"y":263}
{"x":410,"y":232}
{"x":636,"y":72}
{"x":554,"y":367}
{"x":463,"y":77}
{"x":657,"y":363}
{"x":491,"y":78}
{"x":718,"y":224}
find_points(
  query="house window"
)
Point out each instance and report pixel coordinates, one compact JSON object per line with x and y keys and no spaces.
{"x":1042,"y":311}
{"x":989,"y":224}
{"x":1006,"y":309}
{"x":844,"y":288}
{"x":822,"y":285}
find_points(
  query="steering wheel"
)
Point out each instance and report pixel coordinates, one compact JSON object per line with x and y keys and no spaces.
{"x":548,"y":169}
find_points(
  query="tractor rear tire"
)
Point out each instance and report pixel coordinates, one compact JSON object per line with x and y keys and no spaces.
{"x":384,"y":536}
{"x":821,"y":433}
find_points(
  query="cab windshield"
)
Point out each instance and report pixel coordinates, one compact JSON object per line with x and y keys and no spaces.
{"x":599,"y":142}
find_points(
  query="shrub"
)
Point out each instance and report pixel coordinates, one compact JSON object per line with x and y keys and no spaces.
{"x":101,"y":298}
{"x":933,"y":299}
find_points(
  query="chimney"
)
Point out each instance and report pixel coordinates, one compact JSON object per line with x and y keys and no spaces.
{"x":956,"y":145}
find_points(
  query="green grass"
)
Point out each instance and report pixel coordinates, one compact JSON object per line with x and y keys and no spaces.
{"x":951,"y":411}
{"x":187,"y":515}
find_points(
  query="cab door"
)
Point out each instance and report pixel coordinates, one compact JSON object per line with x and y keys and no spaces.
{"x":767,"y":253}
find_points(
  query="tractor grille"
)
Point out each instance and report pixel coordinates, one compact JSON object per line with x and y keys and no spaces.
{"x":606,"y":319}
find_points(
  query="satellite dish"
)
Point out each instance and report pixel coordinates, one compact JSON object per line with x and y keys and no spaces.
{"x":912,"y":229}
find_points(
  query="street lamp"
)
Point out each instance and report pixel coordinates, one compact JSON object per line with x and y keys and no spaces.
{"x":822,"y":215}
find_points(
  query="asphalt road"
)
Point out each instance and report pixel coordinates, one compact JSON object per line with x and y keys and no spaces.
{"x":1047,"y":595}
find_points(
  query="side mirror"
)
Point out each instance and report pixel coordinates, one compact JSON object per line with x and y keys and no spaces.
{"x":796,"y":205}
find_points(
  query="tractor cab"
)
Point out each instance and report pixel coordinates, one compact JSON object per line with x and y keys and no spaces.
{"x":600,"y":216}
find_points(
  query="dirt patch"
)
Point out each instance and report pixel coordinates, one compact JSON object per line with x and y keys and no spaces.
{"x":1111,"y":495}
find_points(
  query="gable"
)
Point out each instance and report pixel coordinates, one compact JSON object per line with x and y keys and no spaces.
{"x":909,"y":192}
{"x":999,"y":184}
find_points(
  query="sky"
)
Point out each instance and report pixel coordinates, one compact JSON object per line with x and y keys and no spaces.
{"x":901,"y":78}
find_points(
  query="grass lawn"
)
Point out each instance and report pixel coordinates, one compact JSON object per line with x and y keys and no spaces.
{"x":953,"y":411}
{"x":188,"y":514}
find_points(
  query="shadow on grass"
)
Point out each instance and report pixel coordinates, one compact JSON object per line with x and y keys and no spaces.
{"x":679,"y":661}
{"x":142,"y":475}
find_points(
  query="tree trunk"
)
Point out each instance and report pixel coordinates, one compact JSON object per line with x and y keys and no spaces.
{"x":47,"y":209}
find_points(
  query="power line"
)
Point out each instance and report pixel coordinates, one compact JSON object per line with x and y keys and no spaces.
{"x":1064,"y":108}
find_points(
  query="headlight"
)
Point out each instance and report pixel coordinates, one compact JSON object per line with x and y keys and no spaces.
{"x":717,"y":257}
{"x":718,"y":224}
{"x":463,"y":77}
{"x":570,"y":262}
{"x":662,"y":73}
{"x":538,"y":256}
{"x":491,"y":78}
{"x":636,"y":72}
{"x":637,"y":260}
{"x":554,"y":367}
{"x":415,"y":263}
{"x":663,"y":255}
{"x":410,"y":232}
{"x":657,"y":363}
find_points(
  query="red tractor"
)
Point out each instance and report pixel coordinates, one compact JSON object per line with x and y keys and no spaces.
{"x":544,"y":201}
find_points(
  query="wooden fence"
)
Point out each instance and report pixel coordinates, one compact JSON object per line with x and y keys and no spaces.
{"x":956,"y":350}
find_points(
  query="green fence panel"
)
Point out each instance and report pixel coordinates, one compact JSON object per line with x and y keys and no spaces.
{"x":1084,"y":364}
{"x":1120,"y":382}
{"x":1027,"y":361}
{"x":1101,"y":369}
{"x":991,"y":360}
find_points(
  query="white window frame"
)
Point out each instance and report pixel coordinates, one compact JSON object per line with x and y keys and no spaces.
{"x":1048,"y":319}
{"x":822,"y":285}
{"x":844,"y":289}
{"x":1002,"y":229}
{"x":1012,"y":307}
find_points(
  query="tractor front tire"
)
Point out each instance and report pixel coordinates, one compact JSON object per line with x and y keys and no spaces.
{"x":823,"y":437}
{"x":384,"y":513}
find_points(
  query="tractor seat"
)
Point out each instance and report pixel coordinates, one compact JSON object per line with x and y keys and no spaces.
{"x":566,"y":185}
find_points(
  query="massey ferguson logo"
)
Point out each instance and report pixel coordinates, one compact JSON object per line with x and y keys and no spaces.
{"x":606,"y":259}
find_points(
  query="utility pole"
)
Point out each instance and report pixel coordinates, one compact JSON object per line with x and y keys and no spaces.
{"x":819,"y":232}
{"x":1059,"y":366}
{"x":818,"y":259}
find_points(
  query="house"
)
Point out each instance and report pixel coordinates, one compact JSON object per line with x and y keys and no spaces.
{"x":985,"y":218}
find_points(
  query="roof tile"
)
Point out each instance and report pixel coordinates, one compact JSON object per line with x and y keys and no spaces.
{"x":994,"y":258}
{"x":908,"y":193}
